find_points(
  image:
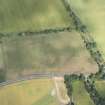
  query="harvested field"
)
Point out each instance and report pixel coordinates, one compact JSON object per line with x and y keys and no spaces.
{"x":58,"y":52}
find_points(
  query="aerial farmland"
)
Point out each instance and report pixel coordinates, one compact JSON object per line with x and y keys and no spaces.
{"x":52,"y":52}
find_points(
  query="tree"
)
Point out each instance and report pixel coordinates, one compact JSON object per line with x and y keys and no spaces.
{"x":81,"y":76}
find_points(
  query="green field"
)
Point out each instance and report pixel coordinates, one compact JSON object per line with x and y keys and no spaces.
{"x":80,"y":95}
{"x":92,"y":14}
{"x":33,"y":92}
{"x":100,"y":86}
{"x":32,"y":15}
{"x":60,"y":52}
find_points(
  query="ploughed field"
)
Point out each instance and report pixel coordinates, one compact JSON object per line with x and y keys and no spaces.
{"x":92,"y":14}
{"x":56,"y":52}
{"x":32,"y":92}
{"x":32,"y":15}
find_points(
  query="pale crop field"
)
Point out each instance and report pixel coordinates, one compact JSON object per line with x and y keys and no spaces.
{"x":32,"y":15}
{"x":32,"y":92}
{"x":92,"y":14}
{"x":80,"y":95}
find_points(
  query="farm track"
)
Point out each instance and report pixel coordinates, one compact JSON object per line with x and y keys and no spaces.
{"x":60,"y":98}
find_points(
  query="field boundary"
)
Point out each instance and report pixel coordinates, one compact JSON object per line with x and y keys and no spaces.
{"x":94,"y":95}
{"x":87,"y":38}
{"x":31,"y":33}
